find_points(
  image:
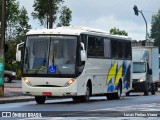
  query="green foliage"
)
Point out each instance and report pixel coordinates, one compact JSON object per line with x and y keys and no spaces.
{"x":155,"y":28}
{"x":16,"y":28}
{"x":22,"y":24}
{"x":116,"y":31}
{"x":16,"y":19}
{"x":11,"y":16}
{"x":10,"y":56}
{"x":65,"y":17}
{"x":43,"y":9}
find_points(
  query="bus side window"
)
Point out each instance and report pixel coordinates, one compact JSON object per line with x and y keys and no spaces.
{"x":114,"y":48}
{"x":91,"y":51}
{"x":107,"y":48}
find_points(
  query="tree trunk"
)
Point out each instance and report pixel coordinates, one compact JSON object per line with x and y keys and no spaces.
{"x":50,"y":14}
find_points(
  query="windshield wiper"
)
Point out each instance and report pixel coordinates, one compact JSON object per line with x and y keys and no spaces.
{"x":59,"y":72}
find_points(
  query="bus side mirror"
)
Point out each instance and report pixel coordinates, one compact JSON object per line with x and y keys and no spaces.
{"x":18,"y":55}
{"x":83,"y":53}
{"x":18,"y":52}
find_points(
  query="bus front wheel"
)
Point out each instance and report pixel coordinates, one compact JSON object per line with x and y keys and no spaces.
{"x":76,"y":98}
{"x":40,"y":99}
{"x":85,"y":98}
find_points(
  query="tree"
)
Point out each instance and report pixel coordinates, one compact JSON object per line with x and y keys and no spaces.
{"x":116,"y":31}
{"x":22,"y":24}
{"x":65,"y":17}
{"x":15,"y":19}
{"x":16,"y":27}
{"x":21,"y":27}
{"x":46,"y":11}
{"x":11,"y":16}
{"x":155,"y":29}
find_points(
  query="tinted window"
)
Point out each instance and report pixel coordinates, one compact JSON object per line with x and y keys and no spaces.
{"x":107,"y":48}
{"x":114,"y":48}
{"x":128,"y":52}
{"x":95,"y":47}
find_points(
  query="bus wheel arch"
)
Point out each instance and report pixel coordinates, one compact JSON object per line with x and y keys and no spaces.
{"x":119,"y":89}
{"x":120,"y":84}
{"x":88,"y":91}
{"x":89,"y":84}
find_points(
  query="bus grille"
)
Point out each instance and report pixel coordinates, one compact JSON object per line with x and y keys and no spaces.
{"x":46,"y":86}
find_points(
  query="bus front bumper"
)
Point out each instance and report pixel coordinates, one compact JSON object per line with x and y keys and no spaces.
{"x":50,"y":91}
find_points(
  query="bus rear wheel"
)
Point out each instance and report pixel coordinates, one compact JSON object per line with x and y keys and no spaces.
{"x":40,"y":99}
{"x":119,"y":92}
{"x":117,"y":95}
{"x":127,"y":93}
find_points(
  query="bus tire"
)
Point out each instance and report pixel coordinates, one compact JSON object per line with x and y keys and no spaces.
{"x":110,"y":96}
{"x":76,"y":98}
{"x":127,"y":93}
{"x":85,"y":98}
{"x":40,"y":99}
{"x":119,"y":92}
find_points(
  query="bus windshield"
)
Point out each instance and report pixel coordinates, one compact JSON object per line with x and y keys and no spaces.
{"x":139,"y":67}
{"x":50,"y":55}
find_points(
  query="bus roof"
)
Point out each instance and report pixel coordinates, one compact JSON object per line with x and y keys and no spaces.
{"x":74,"y":30}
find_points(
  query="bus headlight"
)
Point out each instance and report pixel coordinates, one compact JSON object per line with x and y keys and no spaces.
{"x":69,"y":82}
{"x":27,"y":81}
{"x":141,"y":79}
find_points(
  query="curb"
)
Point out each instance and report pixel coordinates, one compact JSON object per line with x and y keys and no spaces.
{"x":16,"y":99}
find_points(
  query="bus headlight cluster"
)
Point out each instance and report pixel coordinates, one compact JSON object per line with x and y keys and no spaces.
{"x":142,"y":79}
{"x":69,"y":82}
{"x":27,"y":81}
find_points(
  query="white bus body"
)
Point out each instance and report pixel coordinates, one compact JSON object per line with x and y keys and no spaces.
{"x":107,"y":70}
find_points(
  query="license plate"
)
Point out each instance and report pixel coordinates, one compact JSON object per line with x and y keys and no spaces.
{"x":47,"y":94}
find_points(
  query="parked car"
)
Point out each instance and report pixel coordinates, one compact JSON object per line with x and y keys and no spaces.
{"x":9,"y":75}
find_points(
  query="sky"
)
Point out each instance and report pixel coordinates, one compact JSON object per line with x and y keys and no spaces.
{"x":106,"y":14}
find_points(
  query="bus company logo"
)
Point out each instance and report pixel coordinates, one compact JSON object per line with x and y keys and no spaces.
{"x":6,"y":114}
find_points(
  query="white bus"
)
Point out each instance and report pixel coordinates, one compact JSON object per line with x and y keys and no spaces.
{"x":76,"y":62}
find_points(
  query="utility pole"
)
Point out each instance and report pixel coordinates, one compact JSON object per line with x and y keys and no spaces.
{"x":2,"y":42}
{"x":136,"y":13}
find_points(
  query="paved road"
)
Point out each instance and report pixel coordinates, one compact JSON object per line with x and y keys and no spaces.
{"x":98,"y":106}
{"x":131,"y":103}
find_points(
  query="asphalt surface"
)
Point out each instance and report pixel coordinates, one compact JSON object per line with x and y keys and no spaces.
{"x":13,"y":93}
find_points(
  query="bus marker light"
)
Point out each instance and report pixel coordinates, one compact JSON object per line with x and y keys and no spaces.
{"x":47,"y":94}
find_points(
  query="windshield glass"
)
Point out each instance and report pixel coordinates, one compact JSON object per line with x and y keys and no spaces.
{"x":139,"y":67}
{"x":50,"y":55}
